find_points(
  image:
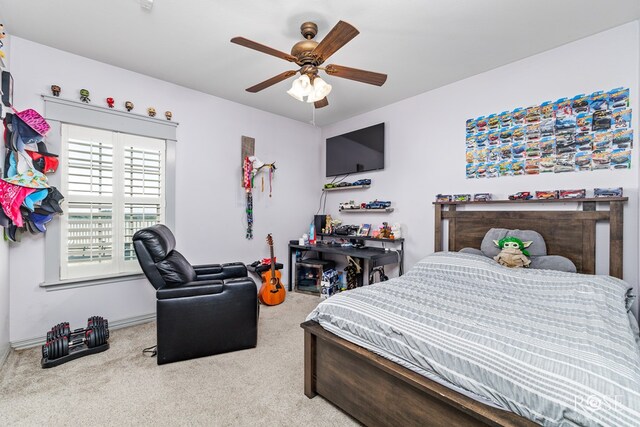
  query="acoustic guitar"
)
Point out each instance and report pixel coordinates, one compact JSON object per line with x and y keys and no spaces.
{"x":272,"y":291}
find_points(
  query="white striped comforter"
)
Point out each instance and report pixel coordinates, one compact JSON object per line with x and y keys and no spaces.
{"x":557,"y":348}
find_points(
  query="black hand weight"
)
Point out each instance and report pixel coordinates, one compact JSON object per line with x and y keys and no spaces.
{"x":60,"y":346}
{"x":63,"y":329}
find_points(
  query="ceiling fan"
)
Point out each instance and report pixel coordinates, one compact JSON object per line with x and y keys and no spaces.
{"x":309,"y":54}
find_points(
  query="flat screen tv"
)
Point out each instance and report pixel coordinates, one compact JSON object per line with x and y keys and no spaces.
{"x":358,"y":151}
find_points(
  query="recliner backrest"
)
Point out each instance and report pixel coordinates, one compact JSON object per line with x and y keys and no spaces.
{"x":158,"y":240}
{"x":160,"y":262}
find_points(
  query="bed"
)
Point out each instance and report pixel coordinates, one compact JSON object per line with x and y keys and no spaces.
{"x":379,"y":390}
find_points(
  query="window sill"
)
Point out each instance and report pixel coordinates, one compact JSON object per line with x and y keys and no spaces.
{"x":90,"y":281}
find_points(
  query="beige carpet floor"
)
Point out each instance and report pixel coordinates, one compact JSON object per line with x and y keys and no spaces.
{"x":261,"y":386}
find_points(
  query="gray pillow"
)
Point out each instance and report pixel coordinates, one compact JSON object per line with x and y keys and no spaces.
{"x":537,"y":248}
{"x":553,"y":262}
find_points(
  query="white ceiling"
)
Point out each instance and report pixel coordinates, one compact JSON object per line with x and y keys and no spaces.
{"x":420,"y":44}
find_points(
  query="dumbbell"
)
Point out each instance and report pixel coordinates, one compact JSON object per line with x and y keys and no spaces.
{"x":63,"y":329}
{"x":60,"y":346}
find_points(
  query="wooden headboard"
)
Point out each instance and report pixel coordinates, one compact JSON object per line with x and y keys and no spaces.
{"x":571,"y":234}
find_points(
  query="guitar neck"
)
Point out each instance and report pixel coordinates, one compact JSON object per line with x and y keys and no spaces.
{"x":273,"y":262}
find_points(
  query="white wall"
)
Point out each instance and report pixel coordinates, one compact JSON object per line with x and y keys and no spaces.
{"x":4,"y":297}
{"x":425,"y":137}
{"x":210,"y":201}
{"x":4,"y":265}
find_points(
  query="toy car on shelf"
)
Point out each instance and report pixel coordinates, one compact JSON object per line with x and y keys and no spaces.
{"x":482,"y":197}
{"x":362,"y":182}
{"x":462,"y":197}
{"x":344,"y":184}
{"x":349,"y":205}
{"x":443,"y":197}
{"x":521,"y":195}
{"x":607,"y":192}
{"x":580,"y":106}
{"x":619,"y":158}
{"x":601,"y":121}
{"x":572,"y":194}
{"x":378,"y":204}
{"x":546,"y":195}
{"x":567,"y":122}
{"x":599,"y":104}
{"x":330,"y":185}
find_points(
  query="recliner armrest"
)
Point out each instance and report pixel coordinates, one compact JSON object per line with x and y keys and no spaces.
{"x":207,"y":269}
{"x":191,"y":289}
{"x":240,"y":284}
{"x":220,"y":271}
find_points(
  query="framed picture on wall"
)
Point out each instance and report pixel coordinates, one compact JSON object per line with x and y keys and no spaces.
{"x":364,"y":229}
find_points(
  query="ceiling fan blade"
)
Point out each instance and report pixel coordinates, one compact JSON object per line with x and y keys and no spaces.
{"x":339,"y":35}
{"x":356,"y":74}
{"x":322,"y":103}
{"x":262,"y":48}
{"x":270,"y":82}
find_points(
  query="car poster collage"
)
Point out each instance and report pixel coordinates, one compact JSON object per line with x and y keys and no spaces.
{"x":583,"y":133}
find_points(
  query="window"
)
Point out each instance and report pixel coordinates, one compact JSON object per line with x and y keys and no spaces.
{"x":114,"y":185}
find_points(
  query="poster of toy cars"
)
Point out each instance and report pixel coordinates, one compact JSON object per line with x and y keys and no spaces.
{"x":582,"y":133}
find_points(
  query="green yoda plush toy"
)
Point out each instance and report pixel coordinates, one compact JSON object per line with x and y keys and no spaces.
{"x":513,"y":252}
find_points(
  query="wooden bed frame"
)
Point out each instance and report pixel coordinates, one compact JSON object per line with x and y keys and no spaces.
{"x":378,"y":392}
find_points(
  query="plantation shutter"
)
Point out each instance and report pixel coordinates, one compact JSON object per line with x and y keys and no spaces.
{"x":144,"y":160}
{"x":113,"y":186}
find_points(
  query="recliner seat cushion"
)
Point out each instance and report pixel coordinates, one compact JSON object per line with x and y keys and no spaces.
{"x":158,"y":240}
{"x":176,"y":270}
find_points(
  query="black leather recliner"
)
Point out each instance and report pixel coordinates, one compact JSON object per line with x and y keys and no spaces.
{"x":201,"y":310}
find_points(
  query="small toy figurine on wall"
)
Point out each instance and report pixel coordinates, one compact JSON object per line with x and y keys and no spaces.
{"x":84,"y":96}
{"x":55,"y":90}
{"x":110,"y":102}
{"x":151,"y":111}
{"x":168,"y":115}
{"x":514,"y":253}
{"x":128,"y":105}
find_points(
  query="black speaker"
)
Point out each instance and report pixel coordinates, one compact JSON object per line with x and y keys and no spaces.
{"x":319,"y":222}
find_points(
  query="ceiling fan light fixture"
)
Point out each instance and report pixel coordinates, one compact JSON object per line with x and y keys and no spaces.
{"x":320,"y":90}
{"x":301,"y":87}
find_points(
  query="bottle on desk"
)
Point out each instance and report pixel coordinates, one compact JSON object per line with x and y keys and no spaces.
{"x":312,"y":234}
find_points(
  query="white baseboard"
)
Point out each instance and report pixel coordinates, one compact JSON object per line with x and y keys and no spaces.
{"x":117,"y":324}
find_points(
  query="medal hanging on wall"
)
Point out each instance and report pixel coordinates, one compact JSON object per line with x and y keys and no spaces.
{"x":247,"y":184}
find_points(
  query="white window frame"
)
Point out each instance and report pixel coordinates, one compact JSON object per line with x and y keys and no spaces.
{"x":60,"y":111}
{"x":117,"y":199}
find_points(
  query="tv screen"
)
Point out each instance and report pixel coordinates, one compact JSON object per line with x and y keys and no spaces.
{"x":358,"y":151}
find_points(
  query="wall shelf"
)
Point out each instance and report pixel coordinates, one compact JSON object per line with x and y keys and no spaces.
{"x":386,"y":210}
{"x":348,"y":187}
{"x":589,"y":199}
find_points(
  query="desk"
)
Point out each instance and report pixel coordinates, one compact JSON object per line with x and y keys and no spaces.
{"x":373,"y":257}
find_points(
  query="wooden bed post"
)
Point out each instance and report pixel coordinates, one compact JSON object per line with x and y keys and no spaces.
{"x":309,"y":364}
{"x":616,"y":235}
{"x":438,"y":229}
